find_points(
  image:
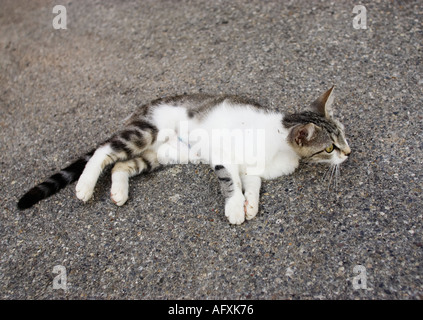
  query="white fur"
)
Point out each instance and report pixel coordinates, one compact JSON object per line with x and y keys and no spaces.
{"x":120,"y":187}
{"x":251,"y":186}
{"x":234,"y":209}
{"x":89,"y":177}
{"x":265,"y":152}
{"x":338,"y":158}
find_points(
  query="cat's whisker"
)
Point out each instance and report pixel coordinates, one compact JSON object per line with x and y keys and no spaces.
{"x":332,"y":170}
{"x":336,"y":176}
{"x":326,"y":173}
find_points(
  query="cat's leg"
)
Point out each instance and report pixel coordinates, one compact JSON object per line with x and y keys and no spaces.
{"x":88,"y":179}
{"x":231,"y":187}
{"x":251,"y":185}
{"x":122,"y":171}
{"x":129,"y":143}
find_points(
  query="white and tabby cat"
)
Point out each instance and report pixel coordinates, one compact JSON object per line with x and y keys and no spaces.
{"x":161,"y":132}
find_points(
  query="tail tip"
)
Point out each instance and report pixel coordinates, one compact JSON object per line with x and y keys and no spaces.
{"x":29,"y":199}
{"x":25,"y":203}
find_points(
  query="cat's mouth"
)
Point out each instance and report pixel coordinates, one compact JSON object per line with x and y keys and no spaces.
{"x":341,"y":158}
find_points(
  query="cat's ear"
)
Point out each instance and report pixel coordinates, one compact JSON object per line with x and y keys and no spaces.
{"x":323,"y":104}
{"x":303,"y":133}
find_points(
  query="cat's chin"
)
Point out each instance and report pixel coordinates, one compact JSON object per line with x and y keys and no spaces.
{"x":330,"y":162}
{"x":337,"y":160}
{"x":311,"y":161}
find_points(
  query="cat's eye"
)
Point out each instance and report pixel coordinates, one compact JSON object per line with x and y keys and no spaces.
{"x":329,"y":149}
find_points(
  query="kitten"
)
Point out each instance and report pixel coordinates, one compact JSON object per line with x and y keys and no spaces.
{"x":241,"y":140}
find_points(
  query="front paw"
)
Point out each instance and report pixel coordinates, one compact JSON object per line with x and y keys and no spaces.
{"x":251,"y":205}
{"x":234,"y":209}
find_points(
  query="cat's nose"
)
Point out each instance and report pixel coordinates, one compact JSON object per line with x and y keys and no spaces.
{"x":346,"y":151}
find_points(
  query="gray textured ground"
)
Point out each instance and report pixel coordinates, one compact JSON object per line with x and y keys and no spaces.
{"x":62,"y":91}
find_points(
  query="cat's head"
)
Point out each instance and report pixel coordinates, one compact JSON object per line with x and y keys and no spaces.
{"x":315,"y":135}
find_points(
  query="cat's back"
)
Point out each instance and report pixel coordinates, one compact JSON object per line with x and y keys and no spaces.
{"x":197,"y":105}
{"x":206,"y":110}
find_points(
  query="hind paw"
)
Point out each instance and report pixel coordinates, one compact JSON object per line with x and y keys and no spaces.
{"x":120,"y":186}
{"x":84,"y":189}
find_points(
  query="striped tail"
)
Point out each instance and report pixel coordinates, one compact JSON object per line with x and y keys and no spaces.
{"x":55,"y":183}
